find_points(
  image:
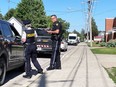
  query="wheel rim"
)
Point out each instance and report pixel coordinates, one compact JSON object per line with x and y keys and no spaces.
{"x":2,"y":73}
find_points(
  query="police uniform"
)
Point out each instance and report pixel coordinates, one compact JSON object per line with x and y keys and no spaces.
{"x":55,"y":62}
{"x":30,"y":52}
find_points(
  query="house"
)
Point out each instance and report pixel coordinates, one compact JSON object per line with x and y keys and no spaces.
{"x":97,"y":38}
{"x":100,"y":36}
{"x":17,"y":24}
{"x":110,"y":28}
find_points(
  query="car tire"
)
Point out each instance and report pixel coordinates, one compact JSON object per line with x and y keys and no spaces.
{"x":2,"y":71}
{"x":66,"y":50}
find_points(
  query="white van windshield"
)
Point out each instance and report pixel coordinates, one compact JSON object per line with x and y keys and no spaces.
{"x":72,"y":37}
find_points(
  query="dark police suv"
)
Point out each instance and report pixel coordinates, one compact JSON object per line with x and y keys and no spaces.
{"x":43,"y":41}
{"x":11,"y":49}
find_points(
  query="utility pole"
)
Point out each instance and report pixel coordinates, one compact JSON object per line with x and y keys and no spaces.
{"x":87,"y":22}
{"x":89,"y":19}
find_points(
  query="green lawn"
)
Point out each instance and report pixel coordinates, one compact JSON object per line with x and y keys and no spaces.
{"x":104,"y":50}
{"x":112,"y":73}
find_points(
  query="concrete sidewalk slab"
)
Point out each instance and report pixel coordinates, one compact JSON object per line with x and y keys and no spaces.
{"x":106,"y":60}
{"x":80,"y":68}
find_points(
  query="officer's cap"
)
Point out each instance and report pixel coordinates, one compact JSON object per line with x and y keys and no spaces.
{"x":26,"y":22}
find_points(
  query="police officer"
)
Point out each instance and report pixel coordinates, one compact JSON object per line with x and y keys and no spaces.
{"x":55,"y":62}
{"x":28,"y":38}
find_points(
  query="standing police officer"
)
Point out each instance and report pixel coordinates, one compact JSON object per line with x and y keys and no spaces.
{"x":28,"y":38}
{"x":56,"y":31}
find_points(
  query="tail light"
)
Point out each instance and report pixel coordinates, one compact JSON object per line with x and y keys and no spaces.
{"x":46,"y":46}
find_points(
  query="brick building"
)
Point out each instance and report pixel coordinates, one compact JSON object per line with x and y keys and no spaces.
{"x":110,"y":28}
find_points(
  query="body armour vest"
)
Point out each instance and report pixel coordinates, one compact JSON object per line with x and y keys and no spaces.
{"x":30,"y":36}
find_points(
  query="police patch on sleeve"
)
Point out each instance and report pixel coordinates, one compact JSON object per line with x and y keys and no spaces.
{"x":56,"y":24}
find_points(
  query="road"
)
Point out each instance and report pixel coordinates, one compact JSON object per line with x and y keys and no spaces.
{"x":14,"y":77}
{"x":80,"y":68}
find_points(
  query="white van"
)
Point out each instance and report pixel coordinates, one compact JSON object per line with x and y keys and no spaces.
{"x":72,"y":39}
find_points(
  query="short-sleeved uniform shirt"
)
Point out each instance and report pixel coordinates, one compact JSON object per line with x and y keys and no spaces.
{"x":57,"y":25}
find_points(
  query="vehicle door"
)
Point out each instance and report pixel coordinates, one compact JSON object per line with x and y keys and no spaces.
{"x":1,"y":41}
{"x":17,"y":43}
{"x":11,"y":42}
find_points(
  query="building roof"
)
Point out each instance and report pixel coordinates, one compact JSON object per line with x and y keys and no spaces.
{"x":17,"y":20}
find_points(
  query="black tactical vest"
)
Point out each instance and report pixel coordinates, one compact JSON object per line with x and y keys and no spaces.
{"x":30,"y":36}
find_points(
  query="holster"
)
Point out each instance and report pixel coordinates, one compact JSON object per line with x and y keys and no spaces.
{"x":55,"y":37}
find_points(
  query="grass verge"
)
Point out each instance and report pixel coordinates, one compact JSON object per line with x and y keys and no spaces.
{"x":112,"y":73}
{"x":104,"y":50}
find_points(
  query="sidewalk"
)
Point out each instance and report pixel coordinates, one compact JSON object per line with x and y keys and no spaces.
{"x":80,"y":68}
{"x":106,"y":60}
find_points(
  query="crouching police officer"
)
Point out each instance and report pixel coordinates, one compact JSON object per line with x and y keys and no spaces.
{"x":28,"y":38}
{"x":55,"y":62}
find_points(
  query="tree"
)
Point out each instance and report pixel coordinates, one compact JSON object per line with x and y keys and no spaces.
{"x":65,"y":27}
{"x":76,"y":32}
{"x":82,"y":31}
{"x":82,"y":35}
{"x":1,"y":16}
{"x":94,"y":28}
{"x":32,"y":10}
{"x":9,"y":14}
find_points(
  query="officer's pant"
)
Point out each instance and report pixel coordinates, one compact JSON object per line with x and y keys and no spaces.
{"x":55,"y":58}
{"x":31,"y":54}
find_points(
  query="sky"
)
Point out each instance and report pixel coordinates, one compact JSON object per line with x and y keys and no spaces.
{"x":72,"y":11}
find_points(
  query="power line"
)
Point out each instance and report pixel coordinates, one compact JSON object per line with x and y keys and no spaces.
{"x":85,"y":17}
{"x":10,"y":1}
{"x":103,"y":12}
{"x":64,"y":12}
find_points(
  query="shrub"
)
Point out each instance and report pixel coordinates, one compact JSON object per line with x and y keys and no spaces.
{"x":102,"y":44}
{"x":111,"y":43}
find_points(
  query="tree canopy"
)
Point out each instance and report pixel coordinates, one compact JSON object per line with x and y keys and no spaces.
{"x":9,"y":14}
{"x":94,"y":28}
{"x":1,"y":16}
{"x":32,"y":10}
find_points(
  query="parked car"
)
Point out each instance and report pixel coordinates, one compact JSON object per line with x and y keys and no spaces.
{"x":64,"y":45}
{"x":43,"y":41}
{"x":11,"y":50}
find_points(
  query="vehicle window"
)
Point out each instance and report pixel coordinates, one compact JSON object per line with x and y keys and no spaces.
{"x":71,"y":37}
{"x":14,"y":31}
{"x":42,"y":32}
{"x":6,"y":30}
